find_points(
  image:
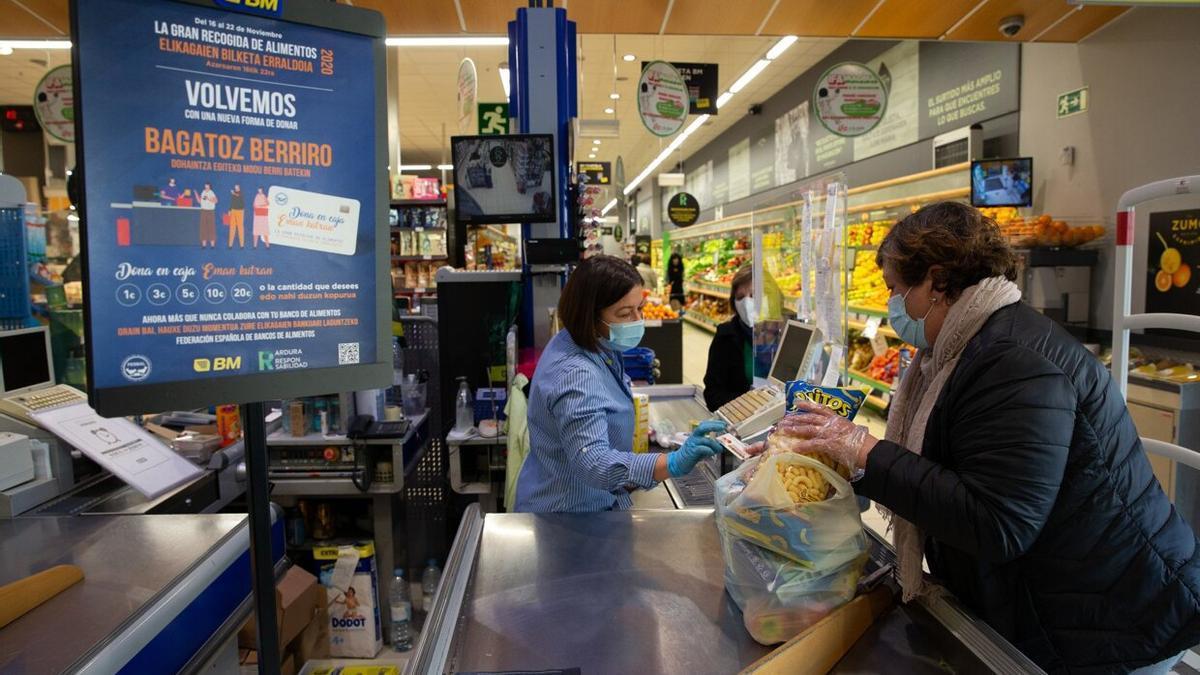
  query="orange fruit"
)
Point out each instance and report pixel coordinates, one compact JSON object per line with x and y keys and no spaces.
{"x":1163,"y":281}
{"x":1182,"y":275}
{"x":1170,"y":260}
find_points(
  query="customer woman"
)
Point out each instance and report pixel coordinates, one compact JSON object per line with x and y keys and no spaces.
{"x":675,"y":280}
{"x":580,"y":411}
{"x":1010,"y":463}
{"x":731,"y":353}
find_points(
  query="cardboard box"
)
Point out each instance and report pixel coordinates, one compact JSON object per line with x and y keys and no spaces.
{"x":297,"y":598}
{"x":313,"y":641}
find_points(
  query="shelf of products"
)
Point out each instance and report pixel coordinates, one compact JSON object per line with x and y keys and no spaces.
{"x":699,"y":321}
{"x":492,"y":248}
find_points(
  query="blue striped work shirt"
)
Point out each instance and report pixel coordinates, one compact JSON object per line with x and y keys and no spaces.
{"x":580,"y":434}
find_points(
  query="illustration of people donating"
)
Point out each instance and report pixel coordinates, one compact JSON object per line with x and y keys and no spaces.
{"x":237,"y":216}
{"x":208,"y":217}
{"x":169,"y":194}
{"x":260,"y":219}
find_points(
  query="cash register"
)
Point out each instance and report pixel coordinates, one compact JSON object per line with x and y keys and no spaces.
{"x":756,"y":410}
{"x":27,"y":386}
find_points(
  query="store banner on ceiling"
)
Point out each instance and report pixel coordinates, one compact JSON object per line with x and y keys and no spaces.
{"x":701,"y":81}
{"x":594,"y":173}
{"x":662,"y":98}
{"x":230,"y":193}
{"x":54,"y":104}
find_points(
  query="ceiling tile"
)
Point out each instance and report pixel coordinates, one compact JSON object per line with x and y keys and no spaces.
{"x":915,"y":18}
{"x":30,"y":18}
{"x":716,"y":17}
{"x":985,"y":23}
{"x":813,"y":17}
{"x":1082,"y":23}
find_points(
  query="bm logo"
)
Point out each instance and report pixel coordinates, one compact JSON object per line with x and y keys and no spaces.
{"x":218,"y":364}
{"x":267,"y":7}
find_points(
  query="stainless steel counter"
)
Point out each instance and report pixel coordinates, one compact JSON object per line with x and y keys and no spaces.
{"x":140,"y":571}
{"x":610,"y":592}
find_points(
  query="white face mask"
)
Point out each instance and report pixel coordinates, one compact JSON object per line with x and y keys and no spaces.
{"x":747,"y":310}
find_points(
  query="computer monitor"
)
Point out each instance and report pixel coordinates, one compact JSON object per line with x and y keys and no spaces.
{"x":797,"y":349}
{"x":503,"y":179}
{"x":1002,"y":182}
{"x":25,"y":360}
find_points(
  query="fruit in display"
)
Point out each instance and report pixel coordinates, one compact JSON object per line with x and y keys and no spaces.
{"x":885,"y":367}
{"x":867,"y":288}
{"x":656,"y":311}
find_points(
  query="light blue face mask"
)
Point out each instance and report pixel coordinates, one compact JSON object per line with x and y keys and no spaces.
{"x":622,"y":336}
{"x":909,"y":329}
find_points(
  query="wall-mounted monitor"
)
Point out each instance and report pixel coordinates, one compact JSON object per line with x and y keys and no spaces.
{"x":1002,"y":182}
{"x":503,"y":179}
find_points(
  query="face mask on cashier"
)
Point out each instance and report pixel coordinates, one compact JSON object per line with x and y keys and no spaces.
{"x":622,"y":336}
{"x":909,"y":329}
{"x":747,"y":310}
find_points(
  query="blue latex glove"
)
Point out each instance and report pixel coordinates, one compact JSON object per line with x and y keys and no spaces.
{"x":697,"y":447}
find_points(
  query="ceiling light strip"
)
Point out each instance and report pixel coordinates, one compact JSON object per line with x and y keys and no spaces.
{"x":867,"y":18}
{"x":964,"y":18}
{"x":39,"y":17}
{"x":1060,"y":19}
{"x":781,"y":47}
{"x":608,"y":207}
{"x":748,"y":76}
{"x":36,"y":44}
{"x":448,"y":41}
{"x":766,"y":18}
{"x":416,"y":167}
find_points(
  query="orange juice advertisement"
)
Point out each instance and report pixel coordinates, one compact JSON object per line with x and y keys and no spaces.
{"x":1173,"y":255}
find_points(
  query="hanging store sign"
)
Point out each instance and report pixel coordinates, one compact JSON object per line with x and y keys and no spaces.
{"x":683,"y":209}
{"x":701,"y":82}
{"x":54,"y":104}
{"x":662,"y":98}
{"x":234,"y":208}
{"x":850,"y":99}
{"x":493,"y":119}
{"x":594,"y":173}
{"x":468,"y":94}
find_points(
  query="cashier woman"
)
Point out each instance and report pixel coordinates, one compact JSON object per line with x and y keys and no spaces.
{"x":581,"y":415}
{"x":1011,"y":465}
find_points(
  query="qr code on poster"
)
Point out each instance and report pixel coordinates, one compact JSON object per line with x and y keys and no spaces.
{"x":347,"y":353}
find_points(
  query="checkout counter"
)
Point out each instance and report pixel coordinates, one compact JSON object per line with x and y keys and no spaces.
{"x":643,"y":591}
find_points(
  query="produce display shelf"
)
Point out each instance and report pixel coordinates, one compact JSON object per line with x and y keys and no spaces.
{"x":884,"y":330}
{"x":868,"y":311}
{"x":871,"y":382}
{"x":702,"y":290}
{"x":862,"y":248}
{"x":702,"y":323}
{"x":876,"y":403}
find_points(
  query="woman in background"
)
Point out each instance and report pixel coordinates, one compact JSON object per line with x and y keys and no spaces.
{"x":731,"y":355}
{"x":675,"y":280}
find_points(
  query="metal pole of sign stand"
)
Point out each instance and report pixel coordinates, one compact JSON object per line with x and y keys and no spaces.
{"x":258,"y":502}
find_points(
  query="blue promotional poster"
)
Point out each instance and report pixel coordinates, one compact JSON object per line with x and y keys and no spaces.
{"x":231,"y":188}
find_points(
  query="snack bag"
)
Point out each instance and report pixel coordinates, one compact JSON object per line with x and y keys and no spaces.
{"x":844,"y":401}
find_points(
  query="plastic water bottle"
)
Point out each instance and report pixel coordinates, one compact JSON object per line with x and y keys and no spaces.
{"x":429,"y":583}
{"x":401,"y":606}
{"x":464,"y":407}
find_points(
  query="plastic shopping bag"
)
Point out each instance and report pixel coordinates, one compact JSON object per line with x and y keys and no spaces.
{"x":780,"y":598}
{"x":753,"y":503}
{"x":787,"y":564}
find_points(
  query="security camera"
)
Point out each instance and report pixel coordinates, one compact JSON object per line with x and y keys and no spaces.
{"x":1011,"y":25}
{"x":755,"y":109}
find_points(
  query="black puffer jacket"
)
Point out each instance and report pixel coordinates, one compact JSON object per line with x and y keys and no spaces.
{"x":1040,"y":507}
{"x":725,"y":378}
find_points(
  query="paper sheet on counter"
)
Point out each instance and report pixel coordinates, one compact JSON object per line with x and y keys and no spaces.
{"x":121,"y":447}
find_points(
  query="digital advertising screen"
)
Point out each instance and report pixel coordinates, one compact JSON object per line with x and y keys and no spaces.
{"x":503,"y":179}
{"x":1002,"y":182}
{"x":235,"y":189}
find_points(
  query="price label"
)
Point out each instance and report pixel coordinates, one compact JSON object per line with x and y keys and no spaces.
{"x":834,"y":371}
{"x":653,"y":323}
{"x":870,"y":330}
{"x":215,"y":293}
{"x":879,"y":345}
{"x":241,"y":292}
{"x":158,"y":294}
{"x":426,"y":257}
{"x":187,"y":294}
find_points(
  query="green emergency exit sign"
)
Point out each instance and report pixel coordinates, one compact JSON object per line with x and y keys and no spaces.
{"x":1073,"y":102}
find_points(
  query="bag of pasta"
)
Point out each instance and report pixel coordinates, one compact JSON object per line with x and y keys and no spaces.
{"x":795,"y":505}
